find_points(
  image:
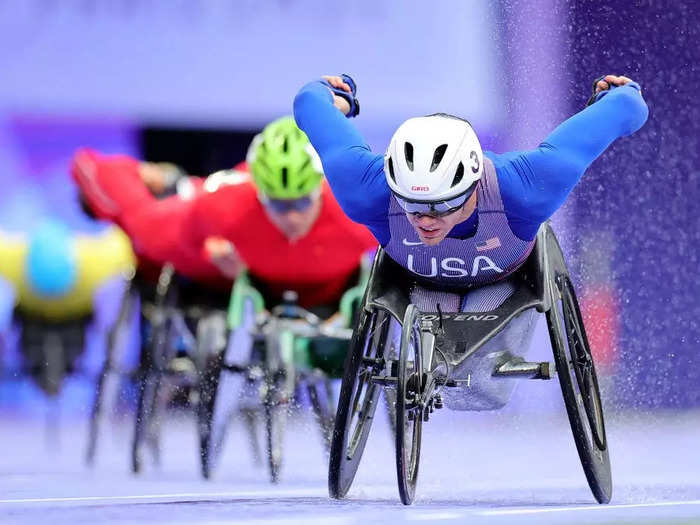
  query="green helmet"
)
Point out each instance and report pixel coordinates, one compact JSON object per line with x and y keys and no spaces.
{"x":282,"y":161}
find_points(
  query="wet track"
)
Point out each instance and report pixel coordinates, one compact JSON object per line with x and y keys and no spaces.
{"x":492,"y":468}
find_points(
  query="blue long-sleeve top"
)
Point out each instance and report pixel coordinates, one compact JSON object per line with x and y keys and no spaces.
{"x":533,"y":184}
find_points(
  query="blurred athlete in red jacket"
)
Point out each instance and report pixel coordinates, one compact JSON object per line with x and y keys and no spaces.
{"x":281,"y":221}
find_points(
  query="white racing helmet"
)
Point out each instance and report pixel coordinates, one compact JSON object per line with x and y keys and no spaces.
{"x":433,"y":163}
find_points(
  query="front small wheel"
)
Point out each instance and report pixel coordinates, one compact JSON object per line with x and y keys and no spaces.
{"x":409,"y":406}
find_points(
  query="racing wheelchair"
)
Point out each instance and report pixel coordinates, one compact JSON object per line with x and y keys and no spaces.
{"x":183,"y":337}
{"x":277,"y":354}
{"x":464,"y":361}
{"x":188,"y":337}
{"x":183,"y":332}
{"x":148,"y":293}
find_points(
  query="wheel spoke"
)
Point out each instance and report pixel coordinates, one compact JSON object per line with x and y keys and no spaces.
{"x":362,"y":380}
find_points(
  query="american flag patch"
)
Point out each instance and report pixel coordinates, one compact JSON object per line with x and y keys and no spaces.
{"x":490,"y":244}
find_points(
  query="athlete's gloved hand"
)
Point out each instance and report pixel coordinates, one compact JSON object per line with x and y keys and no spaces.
{"x":160,"y":177}
{"x":606,"y":83}
{"x":343,"y":88}
{"x":223,"y":255}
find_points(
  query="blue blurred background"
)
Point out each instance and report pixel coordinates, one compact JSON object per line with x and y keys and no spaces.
{"x":191,"y":82}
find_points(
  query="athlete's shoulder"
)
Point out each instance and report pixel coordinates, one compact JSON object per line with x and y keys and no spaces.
{"x":502,"y":161}
{"x":510,"y":167}
{"x":238,"y":176}
{"x":229,"y":199}
{"x":103,"y":255}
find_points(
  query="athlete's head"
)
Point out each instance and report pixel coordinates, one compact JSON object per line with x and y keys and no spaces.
{"x":288,"y":173}
{"x":432,"y":166}
{"x":51,"y":266}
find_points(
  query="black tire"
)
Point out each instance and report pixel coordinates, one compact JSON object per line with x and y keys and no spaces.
{"x":96,"y":418}
{"x":210,"y":441}
{"x":358,"y":399}
{"x":275,"y":420}
{"x":154,"y":359}
{"x":108,"y":376}
{"x":321,"y":396}
{"x":577,"y":378}
{"x":409,"y":414}
{"x":152,"y":370}
{"x":145,"y":431}
{"x":55,"y":365}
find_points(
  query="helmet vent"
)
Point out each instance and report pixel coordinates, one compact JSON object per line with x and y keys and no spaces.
{"x":459,"y":174}
{"x":285,"y":144}
{"x":391,"y":170}
{"x":437,"y":156}
{"x":284,"y":175}
{"x":408,"y":151}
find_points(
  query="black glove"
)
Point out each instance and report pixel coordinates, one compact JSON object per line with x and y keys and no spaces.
{"x":595,"y":96}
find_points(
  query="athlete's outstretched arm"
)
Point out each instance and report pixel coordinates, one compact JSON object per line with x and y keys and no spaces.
{"x":109,"y":184}
{"x":113,"y":188}
{"x":534,"y":184}
{"x":356,"y":175}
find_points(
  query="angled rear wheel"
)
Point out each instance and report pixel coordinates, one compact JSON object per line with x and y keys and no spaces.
{"x":358,"y":398}
{"x":578,"y":380}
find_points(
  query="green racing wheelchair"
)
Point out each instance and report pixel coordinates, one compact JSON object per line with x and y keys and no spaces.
{"x":275,"y":354}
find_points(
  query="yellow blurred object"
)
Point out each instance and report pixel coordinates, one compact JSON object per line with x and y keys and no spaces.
{"x":99,"y":257}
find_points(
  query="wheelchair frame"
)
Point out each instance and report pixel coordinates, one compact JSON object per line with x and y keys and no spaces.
{"x":543,"y":284}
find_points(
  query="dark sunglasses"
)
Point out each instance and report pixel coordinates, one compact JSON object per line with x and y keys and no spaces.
{"x":437,"y":208}
{"x":287,"y":205}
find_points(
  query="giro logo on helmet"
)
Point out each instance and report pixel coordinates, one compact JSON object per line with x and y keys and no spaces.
{"x":420,"y":188}
{"x":454,"y":267}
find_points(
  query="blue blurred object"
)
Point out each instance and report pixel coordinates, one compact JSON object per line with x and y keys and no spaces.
{"x":51,"y":264}
{"x":7,"y":304}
